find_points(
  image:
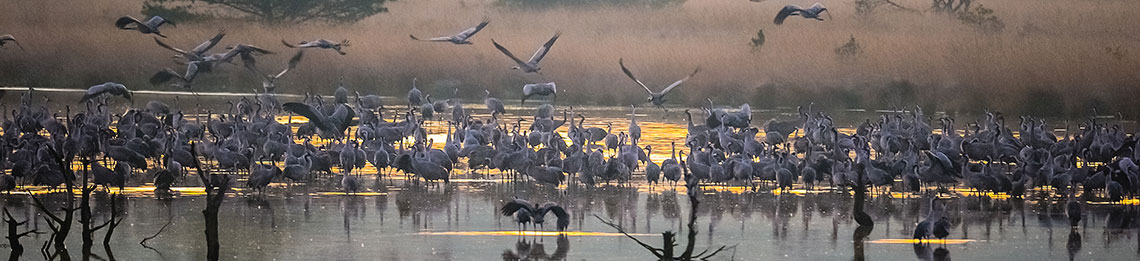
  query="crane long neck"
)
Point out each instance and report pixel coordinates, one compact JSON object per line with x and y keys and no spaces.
{"x":860,"y":190}
{"x":689,"y":116}
{"x":935,"y":210}
{"x":673,"y":148}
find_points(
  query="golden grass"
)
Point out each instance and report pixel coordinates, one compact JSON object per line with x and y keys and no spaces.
{"x":1058,"y":46}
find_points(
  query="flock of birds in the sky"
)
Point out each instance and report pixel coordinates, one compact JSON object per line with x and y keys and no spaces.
{"x":722,"y":146}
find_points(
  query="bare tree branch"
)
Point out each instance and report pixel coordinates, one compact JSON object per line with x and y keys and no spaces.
{"x":656,"y":251}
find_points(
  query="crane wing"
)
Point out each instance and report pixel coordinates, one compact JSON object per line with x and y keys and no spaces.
{"x":563,"y":217}
{"x":541,"y":52}
{"x":514,"y":205}
{"x":307,"y":111}
{"x":292,"y":64}
{"x":164,"y":75}
{"x":630,"y":74}
{"x":816,"y":8}
{"x":8,"y":37}
{"x":433,"y":39}
{"x":172,"y":48}
{"x":205,"y":46}
{"x":191,"y":71}
{"x":287,"y":44}
{"x":785,"y":12}
{"x":250,"y":63}
{"x":344,"y":115}
{"x":678,"y":82}
{"x":125,"y":21}
{"x":156,"y":21}
{"x":508,"y":53}
{"x":473,"y":30}
{"x":93,"y":91}
{"x":243,"y":49}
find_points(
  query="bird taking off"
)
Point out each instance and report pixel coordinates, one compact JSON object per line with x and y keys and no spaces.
{"x":459,"y":38}
{"x":269,"y":81}
{"x":657,"y":98}
{"x":530,"y":66}
{"x":539,"y":89}
{"x":319,"y":43}
{"x":4,"y":39}
{"x":199,"y":52}
{"x":109,"y":88}
{"x":149,"y":27}
{"x":526,"y":212}
{"x":813,"y":12}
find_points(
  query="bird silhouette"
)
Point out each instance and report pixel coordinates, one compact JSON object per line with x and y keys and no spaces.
{"x":529,"y":66}
{"x":525,"y":212}
{"x":463,"y":37}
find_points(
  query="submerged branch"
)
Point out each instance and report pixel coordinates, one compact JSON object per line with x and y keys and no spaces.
{"x":656,"y":251}
{"x":169,"y":220}
{"x":670,"y":242}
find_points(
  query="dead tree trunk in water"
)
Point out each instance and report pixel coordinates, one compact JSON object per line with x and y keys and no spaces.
{"x":14,"y":237}
{"x":111,"y":224}
{"x":858,"y":237}
{"x":85,"y":219}
{"x":85,"y":210}
{"x":215,"y":193}
{"x":60,"y":227}
{"x":666,"y":252}
{"x":693,"y":203}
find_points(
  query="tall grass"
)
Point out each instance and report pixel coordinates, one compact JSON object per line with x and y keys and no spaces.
{"x":1047,"y":47}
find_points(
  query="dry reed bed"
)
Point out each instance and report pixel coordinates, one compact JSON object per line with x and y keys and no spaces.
{"x":1051,"y":47}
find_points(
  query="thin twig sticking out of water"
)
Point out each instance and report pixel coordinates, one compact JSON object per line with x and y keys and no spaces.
{"x":169,"y":221}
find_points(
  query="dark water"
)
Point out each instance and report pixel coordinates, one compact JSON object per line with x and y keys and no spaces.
{"x":403,"y":224}
{"x":401,"y":220}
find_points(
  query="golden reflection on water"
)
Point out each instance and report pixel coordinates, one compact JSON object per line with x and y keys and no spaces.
{"x":916,"y":241}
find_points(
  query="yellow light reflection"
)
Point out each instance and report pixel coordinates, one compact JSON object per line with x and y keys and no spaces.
{"x":916,"y":241}
{"x":1132,"y":201}
{"x":362,"y":194}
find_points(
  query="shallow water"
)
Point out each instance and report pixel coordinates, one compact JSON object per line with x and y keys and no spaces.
{"x":398,"y":219}
{"x":460,"y":221}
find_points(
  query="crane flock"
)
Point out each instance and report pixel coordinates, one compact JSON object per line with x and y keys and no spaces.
{"x":987,"y":157}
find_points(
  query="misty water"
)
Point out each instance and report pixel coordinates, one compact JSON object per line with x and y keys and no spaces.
{"x":402,"y":219}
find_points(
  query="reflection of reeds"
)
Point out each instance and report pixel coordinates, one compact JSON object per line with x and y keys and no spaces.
{"x":952,"y":66}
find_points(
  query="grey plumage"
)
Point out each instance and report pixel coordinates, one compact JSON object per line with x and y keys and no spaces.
{"x":463,"y":37}
{"x":320,"y":43}
{"x":529,"y":66}
{"x":151,"y":26}
{"x":4,"y":39}
{"x":108,"y":88}
{"x":494,"y":105}
{"x":657,"y":98}
{"x":539,"y":89}
{"x":812,"y":12}
{"x":537,"y":212}
{"x":269,"y":81}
